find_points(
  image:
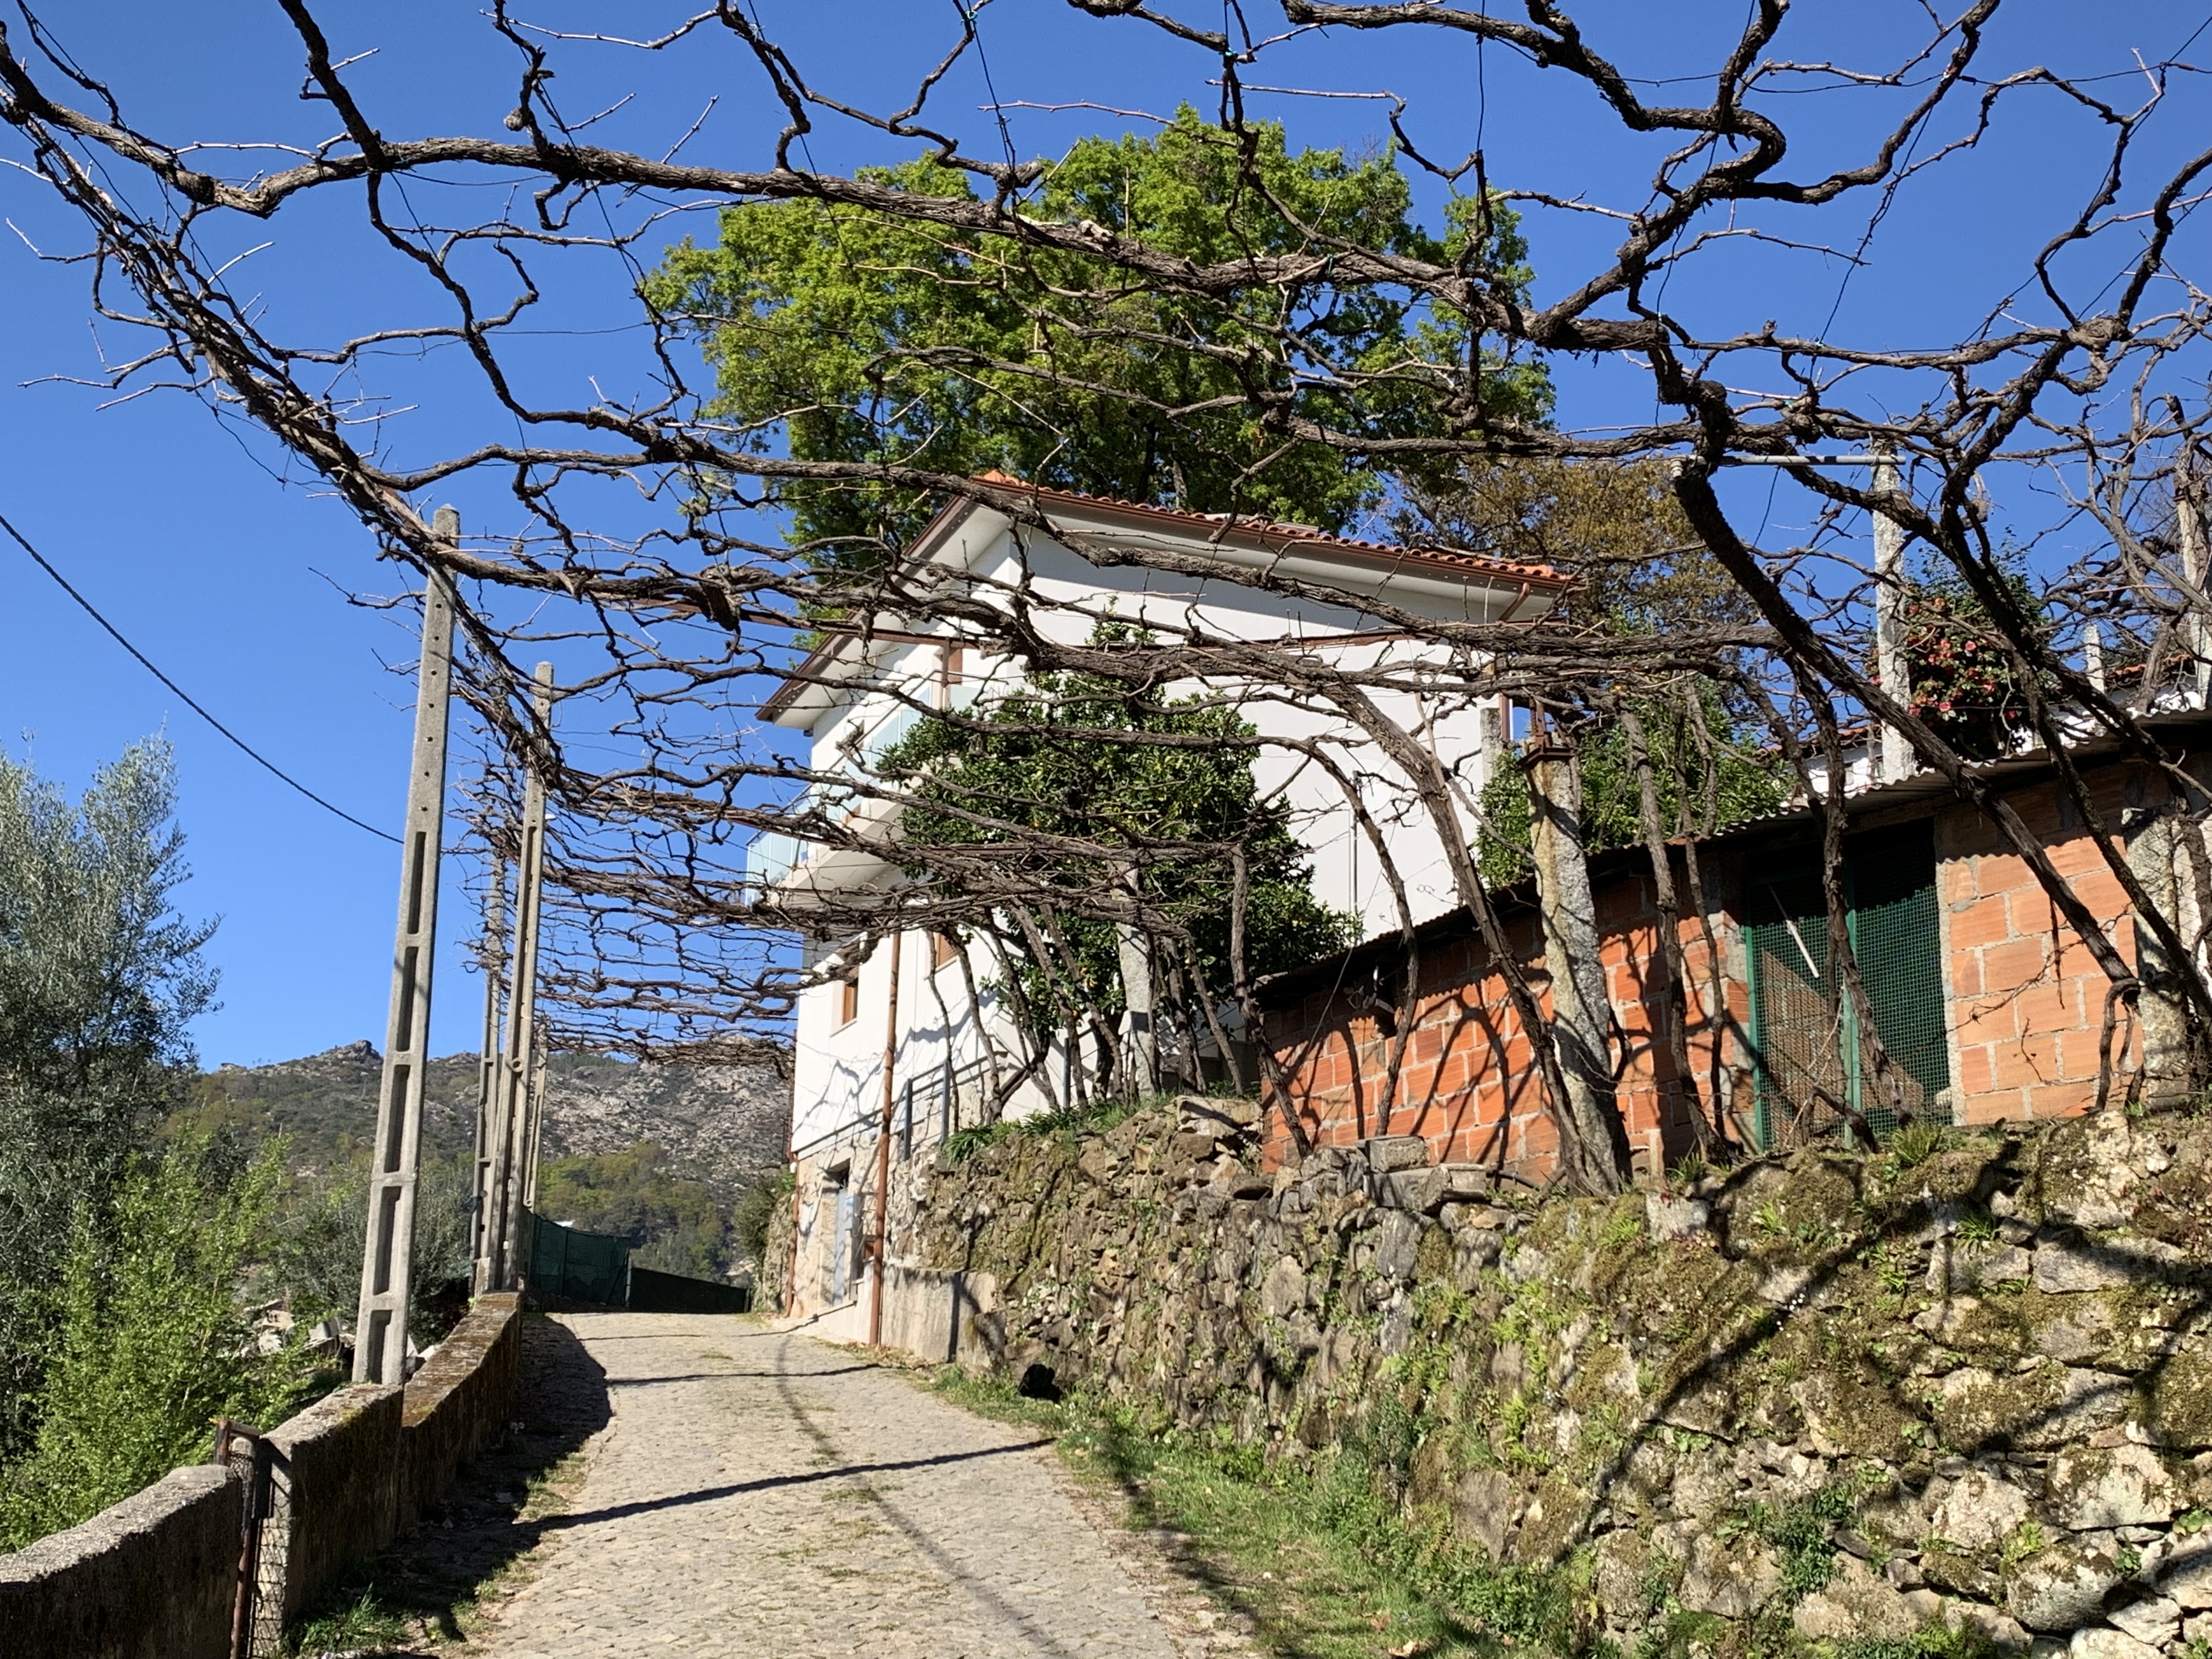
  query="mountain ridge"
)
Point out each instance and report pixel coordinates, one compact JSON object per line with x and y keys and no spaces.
{"x":727,"y":1126}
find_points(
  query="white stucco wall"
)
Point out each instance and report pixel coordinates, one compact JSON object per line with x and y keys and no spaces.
{"x":838,"y":1065}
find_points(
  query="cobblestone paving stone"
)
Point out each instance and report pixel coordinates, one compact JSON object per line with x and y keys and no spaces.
{"x":757,"y":1494}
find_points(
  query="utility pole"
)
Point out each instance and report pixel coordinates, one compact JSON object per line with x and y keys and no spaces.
{"x":387,"y":1256}
{"x":487,"y":959}
{"x":1891,"y":673}
{"x":496,"y":1268}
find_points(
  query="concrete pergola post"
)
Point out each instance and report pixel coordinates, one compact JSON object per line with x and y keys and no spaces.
{"x":1891,"y":671}
{"x":496,"y":1269}
{"x":388,"y":1250}
{"x":488,"y":1059}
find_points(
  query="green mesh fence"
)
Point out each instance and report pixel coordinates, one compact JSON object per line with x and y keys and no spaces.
{"x":1812,"y":1055}
{"x":578,"y":1266}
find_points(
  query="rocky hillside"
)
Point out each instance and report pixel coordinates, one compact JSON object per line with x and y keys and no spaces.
{"x":725,"y":1125}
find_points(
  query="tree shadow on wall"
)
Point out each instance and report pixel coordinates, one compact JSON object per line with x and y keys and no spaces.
{"x":495,"y":1512}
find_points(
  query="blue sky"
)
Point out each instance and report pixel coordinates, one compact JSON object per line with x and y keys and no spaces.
{"x":232,"y":572}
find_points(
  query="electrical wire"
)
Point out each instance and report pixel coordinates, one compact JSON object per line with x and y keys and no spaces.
{"x":146,"y":662}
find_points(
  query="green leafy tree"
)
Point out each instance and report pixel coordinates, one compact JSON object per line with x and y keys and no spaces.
{"x":844,"y":336}
{"x":152,"y":1340}
{"x":1614,"y":528}
{"x":321,"y":1227}
{"x":1048,"y":761}
{"x":755,"y":1214}
{"x":99,"y":979}
{"x":1744,"y":781}
{"x":672,"y":1222}
{"x":1637,"y":568}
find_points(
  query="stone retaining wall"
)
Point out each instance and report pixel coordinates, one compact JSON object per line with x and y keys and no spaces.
{"x":1837,"y":1397}
{"x":153,"y":1577}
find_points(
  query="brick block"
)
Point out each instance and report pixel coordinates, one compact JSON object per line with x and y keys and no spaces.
{"x":2016,"y":1066}
{"x":2015,"y":965}
{"x":1996,"y":872}
{"x":1977,"y":1073}
{"x":2052,"y":1004}
{"x":1984,"y":1019}
{"x":1963,"y":973}
{"x":1983,"y":922}
{"x":2070,"y":1099}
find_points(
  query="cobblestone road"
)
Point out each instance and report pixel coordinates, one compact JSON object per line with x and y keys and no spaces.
{"x":760,"y":1494}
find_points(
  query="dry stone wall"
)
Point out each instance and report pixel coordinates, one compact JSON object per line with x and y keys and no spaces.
{"x":1834,"y":1399}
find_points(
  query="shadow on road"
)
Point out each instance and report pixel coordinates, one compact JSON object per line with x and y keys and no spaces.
{"x":492,"y":1515}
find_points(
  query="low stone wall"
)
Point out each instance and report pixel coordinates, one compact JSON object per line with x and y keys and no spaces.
{"x":1839,"y":1396}
{"x":154,"y":1576}
{"x":459,"y":1403}
{"x":151,"y":1577}
{"x":336,"y":1490}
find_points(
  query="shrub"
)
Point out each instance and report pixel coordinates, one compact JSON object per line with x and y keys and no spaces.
{"x":152,"y":1340}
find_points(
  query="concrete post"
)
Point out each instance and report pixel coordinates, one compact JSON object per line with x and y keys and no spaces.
{"x":533,"y":1131}
{"x":388,"y":1249}
{"x":2155,"y":859}
{"x":2189,"y":522}
{"x":882,"y":1228}
{"x":488,"y":1059}
{"x":1891,"y":671}
{"x":1140,"y":1039}
{"x":503,"y":1223}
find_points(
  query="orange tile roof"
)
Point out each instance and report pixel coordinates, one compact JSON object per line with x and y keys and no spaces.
{"x":1444,"y":558}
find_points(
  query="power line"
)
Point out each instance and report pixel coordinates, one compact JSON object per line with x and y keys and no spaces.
{"x":146,"y":662}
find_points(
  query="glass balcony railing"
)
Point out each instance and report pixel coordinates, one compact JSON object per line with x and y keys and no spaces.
{"x":772,"y":855}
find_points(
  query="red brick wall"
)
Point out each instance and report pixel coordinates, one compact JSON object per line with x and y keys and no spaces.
{"x":2026,"y":1002}
{"x":1467,"y":1083}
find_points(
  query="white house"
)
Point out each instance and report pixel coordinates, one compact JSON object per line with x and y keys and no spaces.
{"x":911,"y":1006}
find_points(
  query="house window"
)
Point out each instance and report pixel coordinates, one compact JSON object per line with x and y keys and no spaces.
{"x":944,"y":948}
{"x":955,"y":664}
{"x":848,"y":999}
{"x":1809,"y":1051}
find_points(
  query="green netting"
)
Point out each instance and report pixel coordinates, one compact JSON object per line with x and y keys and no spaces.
{"x":1810,"y":1053}
{"x":578,"y":1266}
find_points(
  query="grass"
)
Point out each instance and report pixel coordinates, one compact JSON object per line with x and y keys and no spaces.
{"x":1095,"y":1119}
{"x":1317,"y":1567}
{"x":367,"y":1624}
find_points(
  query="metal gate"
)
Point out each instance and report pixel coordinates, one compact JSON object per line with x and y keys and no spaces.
{"x":1808,"y":1049}
{"x":257,"y":1617}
